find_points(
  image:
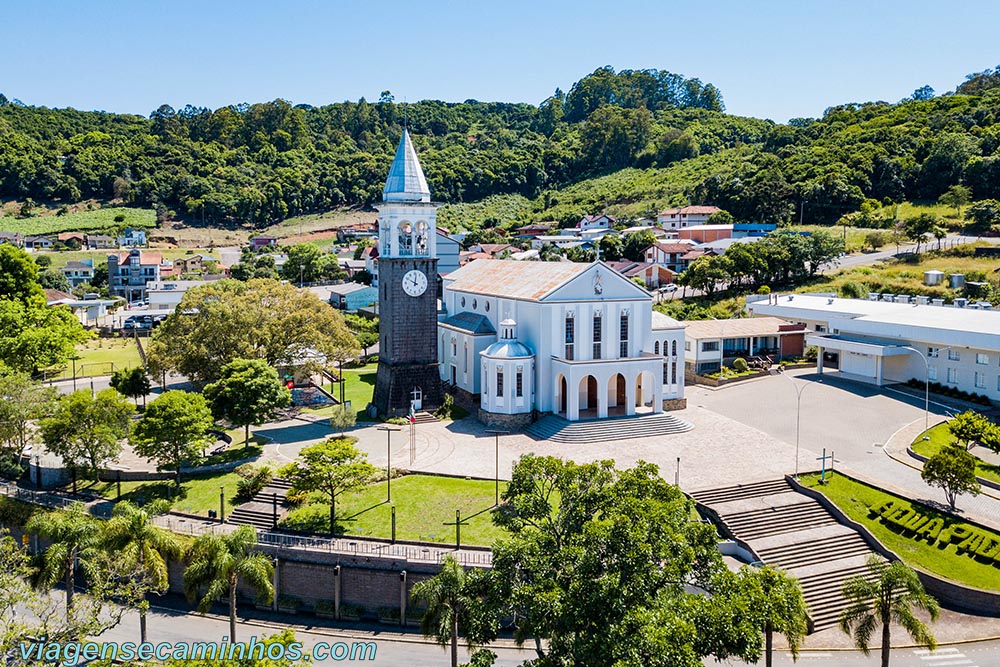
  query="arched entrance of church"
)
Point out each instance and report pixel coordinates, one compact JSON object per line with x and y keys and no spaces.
{"x":588,"y":396}
{"x":617,"y":394}
{"x":562,"y":392}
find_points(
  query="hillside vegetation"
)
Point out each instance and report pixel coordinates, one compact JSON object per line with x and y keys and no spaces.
{"x":628,"y":142}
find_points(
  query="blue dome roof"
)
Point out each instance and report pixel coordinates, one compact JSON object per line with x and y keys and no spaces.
{"x":508,"y":349}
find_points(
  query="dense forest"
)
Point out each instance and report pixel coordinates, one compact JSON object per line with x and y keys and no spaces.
{"x":627,"y":142}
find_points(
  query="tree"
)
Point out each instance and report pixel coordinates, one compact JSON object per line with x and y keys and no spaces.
{"x":968,"y":427}
{"x":259,"y":319}
{"x":18,"y":275}
{"x":956,"y":196}
{"x":53,"y":279}
{"x":329,"y":468}
{"x":982,"y":216}
{"x":876,"y":239}
{"x":130,"y":533}
{"x":342,"y":418}
{"x":990,"y":439}
{"x":824,"y":248}
{"x":611,"y":247}
{"x":635,"y":245}
{"x":74,"y":542}
{"x":452,"y":605}
{"x":952,"y":469}
{"x":917,"y":228}
{"x":216,"y":565}
{"x":721,"y":218}
{"x":21,"y":402}
{"x":939,"y":232}
{"x":248,"y":391}
{"x":86,"y":430}
{"x":887,"y":594}
{"x":782,"y":606}
{"x":922,"y":94}
{"x":132,"y":382}
{"x":34,"y":336}
{"x":595,"y":568}
{"x":173,"y":429}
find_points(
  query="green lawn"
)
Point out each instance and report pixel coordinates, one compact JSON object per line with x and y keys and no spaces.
{"x":942,"y":559}
{"x":359,"y":386}
{"x":97,"y":220}
{"x":98,"y":356}
{"x":939,"y":437}
{"x":424,"y":505}
{"x":199,"y":493}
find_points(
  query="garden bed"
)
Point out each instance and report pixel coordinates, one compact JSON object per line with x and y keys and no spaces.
{"x":939,"y":436}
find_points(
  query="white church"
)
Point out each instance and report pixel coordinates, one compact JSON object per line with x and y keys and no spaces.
{"x":530,"y":337}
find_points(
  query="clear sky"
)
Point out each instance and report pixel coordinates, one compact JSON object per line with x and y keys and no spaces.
{"x":773,"y":59}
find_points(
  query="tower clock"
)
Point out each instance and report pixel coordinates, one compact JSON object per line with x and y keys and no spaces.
{"x":407,"y":282}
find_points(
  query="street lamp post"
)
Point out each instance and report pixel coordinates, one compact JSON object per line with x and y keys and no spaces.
{"x":497,"y":454}
{"x":301,"y":268}
{"x":927,"y":380}
{"x":222,"y":504}
{"x":388,"y":460}
{"x":798,"y":414}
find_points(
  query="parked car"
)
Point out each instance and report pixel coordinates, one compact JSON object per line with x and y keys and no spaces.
{"x":668,"y":288}
{"x":138,"y":322}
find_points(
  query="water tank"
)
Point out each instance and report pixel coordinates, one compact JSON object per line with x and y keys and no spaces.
{"x":960,"y":302}
{"x":933,"y":277}
{"x":937,"y":302}
{"x":873,"y":296}
{"x":922,"y":300}
{"x":902,"y":298}
{"x":956,"y":280}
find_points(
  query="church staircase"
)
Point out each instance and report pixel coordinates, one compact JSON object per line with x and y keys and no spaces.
{"x":791,"y":531}
{"x":557,"y":429}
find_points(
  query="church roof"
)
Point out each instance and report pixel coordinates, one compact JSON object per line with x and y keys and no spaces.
{"x":471,"y":322}
{"x":507,"y":349}
{"x":661,"y":321}
{"x":406,"y":180}
{"x":514,"y":279}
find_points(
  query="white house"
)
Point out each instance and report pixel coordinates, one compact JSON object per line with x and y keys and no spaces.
{"x":710,"y":344}
{"x":596,"y":222}
{"x":132,"y":238}
{"x":79,"y":272}
{"x":669,"y":254}
{"x":575,"y":339}
{"x":678,"y":218}
{"x":892,"y":338}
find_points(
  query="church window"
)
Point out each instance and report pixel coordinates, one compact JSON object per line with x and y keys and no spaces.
{"x":465,"y":358}
{"x":623,"y":336}
{"x":406,"y":239}
{"x":463,"y":302}
{"x":487,"y":306}
{"x":597,"y":336}
{"x":570,"y":335}
{"x":454,"y":347}
{"x":673,"y":348}
{"x":656,"y":347}
{"x":500,"y":383}
{"x":475,"y":304}
{"x":673,"y":373}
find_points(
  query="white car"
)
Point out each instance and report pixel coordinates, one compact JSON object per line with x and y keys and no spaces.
{"x":668,"y":288}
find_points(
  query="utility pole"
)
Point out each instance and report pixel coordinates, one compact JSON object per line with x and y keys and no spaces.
{"x":497,"y":435}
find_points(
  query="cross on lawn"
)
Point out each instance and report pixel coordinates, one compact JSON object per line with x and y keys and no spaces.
{"x":823,"y":459}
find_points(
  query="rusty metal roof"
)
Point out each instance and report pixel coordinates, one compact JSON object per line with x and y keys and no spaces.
{"x":738,"y":328}
{"x":513,"y":279}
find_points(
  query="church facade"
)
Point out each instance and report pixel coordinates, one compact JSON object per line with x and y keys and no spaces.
{"x":578,"y":340}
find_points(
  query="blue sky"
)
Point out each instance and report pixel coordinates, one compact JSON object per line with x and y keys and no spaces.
{"x":770,"y":59}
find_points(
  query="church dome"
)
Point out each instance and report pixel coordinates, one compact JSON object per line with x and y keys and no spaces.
{"x":508,"y":347}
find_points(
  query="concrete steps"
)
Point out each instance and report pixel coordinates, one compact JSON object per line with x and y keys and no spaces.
{"x":557,"y":429}
{"x":793,"y":532}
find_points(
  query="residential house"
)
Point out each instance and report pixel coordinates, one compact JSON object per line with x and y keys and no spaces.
{"x":100,"y":242}
{"x":370,"y":255}
{"x":130,"y":272}
{"x":13,"y":238}
{"x":71,"y":239}
{"x":132,"y":238}
{"x":364,"y":230}
{"x":37,"y":243}
{"x":263,"y":241}
{"x":708,"y":344}
{"x":533,"y":230}
{"x":351,"y":266}
{"x":678,"y":218}
{"x":494,"y":250}
{"x":653,"y":276}
{"x":352,"y":296}
{"x":79,"y":272}
{"x":166,"y":295}
{"x":87,"y":311}
{"x":448,"y":250}
{"x":593,"y":222}
{"x":669,"y":254}
{"x":705,"y":233}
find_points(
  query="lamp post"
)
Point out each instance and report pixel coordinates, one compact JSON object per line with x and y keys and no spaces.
{"x":927,"y":380}
{"x":388,"y":461}
{"x":301,"y":268}
{"x":677,"y":474}
{"x":497,"y":435}
{"x":798,"y":413}
{"x":222,"y":504}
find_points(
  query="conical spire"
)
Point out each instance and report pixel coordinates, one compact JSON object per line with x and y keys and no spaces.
{"x":406,"y":180}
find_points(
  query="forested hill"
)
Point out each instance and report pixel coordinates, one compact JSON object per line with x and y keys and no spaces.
{"x":627,"y":142}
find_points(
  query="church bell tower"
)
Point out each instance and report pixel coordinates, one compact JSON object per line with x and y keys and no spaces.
{"x":407,"y":277}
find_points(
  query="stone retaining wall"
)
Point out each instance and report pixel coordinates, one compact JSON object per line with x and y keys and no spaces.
{"x":506,"y":422}
{"x":671,"y":404}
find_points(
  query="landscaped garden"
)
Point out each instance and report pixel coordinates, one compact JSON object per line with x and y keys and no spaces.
{"x":197,"y":495}
{"x":425,"y":510}
{"x":940,"y":436}
{"x":923,"y":537}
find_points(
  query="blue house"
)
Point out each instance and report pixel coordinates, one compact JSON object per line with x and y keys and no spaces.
{"x":352,"y":296}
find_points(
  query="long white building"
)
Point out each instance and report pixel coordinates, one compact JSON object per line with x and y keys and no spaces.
{"x":894,"y":338}
{"x":578,"y":340}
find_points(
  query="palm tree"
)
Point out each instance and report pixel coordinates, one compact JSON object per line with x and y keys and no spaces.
{"x":888,"y":593}
{"x":783,"y":609}
{"x":75,"y":541}
{"x":218,"y":562}
{"x":131,"y":534}
{"x":447,"y":604}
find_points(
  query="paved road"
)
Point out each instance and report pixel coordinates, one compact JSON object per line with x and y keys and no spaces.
{"x":985,"y":654}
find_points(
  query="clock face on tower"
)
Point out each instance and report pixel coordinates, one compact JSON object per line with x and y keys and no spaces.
{"x":414,"y":282}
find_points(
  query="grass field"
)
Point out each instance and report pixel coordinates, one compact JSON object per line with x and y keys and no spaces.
{"x":941,"y":436}
{"x":854,"y":498}
{"x":98,"y":356}
{"x":905,"y":275}
{"x":855,"y":235}
{"x":425,"y":505}
{"x":60,"y":258}
{"x":198,"y":494}
{"x":359,"y":386}
{"x":81,"y":221}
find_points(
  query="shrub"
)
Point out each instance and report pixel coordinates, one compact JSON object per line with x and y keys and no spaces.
{"x":740,"y":365}
{"x":853,"y":290}
{"x":447,"y":406}
{"x":811,"y":353}
{"x":308,"y":519}
{"x":253,"y":478}
{"x":10,"y":465}
{"x":398,"y":421}
{"x":763,"y":289}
